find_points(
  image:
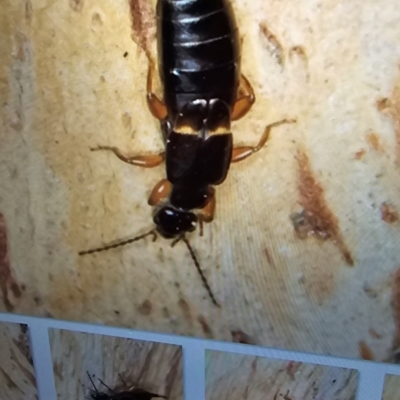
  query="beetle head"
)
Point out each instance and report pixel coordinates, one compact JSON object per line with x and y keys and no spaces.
{"x":171,"y":222}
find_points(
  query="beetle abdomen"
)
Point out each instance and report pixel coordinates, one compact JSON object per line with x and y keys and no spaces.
{"x":198,"y":49}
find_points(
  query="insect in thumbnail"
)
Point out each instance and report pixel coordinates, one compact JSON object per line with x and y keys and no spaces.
{"x":133,"y":393}
{"x":199,"y":66}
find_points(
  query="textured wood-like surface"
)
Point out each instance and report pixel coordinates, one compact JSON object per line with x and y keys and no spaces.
{"x":152,"y":366}
{"x":306,"y":234}
{"x":238,"y":377}
{"x":391,"y":390}
{"x":17,"y":379}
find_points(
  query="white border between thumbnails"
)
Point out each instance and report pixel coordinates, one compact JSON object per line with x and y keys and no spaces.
{"x":370,"y":381}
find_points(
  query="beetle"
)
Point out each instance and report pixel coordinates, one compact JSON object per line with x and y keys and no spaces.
{"x":133,"y":393}
{"x":203,"y":92}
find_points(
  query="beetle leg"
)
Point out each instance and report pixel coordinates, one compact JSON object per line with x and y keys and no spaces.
{"x":160,"y":191}
{"x":242,"y":152}
{"x":156,"y":106}
{"x":206,"y":214}
{"x":146,"y":161}
{"x":244,"y":103}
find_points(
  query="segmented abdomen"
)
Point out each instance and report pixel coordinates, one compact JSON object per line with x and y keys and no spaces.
{"x":198,"y":50}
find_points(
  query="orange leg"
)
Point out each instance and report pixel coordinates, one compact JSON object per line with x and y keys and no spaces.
{"x":160,"y":192}
{"x":242,"y":152}
{"x":244,"y":103}
{"x":206,"y":214}
{"x":156,"y":106}
{"x":147,"y":161}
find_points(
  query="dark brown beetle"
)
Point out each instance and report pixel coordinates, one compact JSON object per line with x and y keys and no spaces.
{"x":133,"y":393}
{"x":199,"y":65}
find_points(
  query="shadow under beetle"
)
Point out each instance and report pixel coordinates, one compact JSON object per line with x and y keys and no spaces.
{"x":203,"y":92}
{"x":133,"y":393}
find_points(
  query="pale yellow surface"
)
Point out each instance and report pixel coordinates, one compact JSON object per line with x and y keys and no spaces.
{"x":151,"y":366}
{"x":65,"y":86}
{"x":392,"y":388}
{"x":238,"y":377}
{"x":17,"y":379}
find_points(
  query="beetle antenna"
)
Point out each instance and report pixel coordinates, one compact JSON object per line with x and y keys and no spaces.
{"x":91,"y":380}
{"x":199,"y":270}
{"x":105,"y":385}
{"x":119,"y":244}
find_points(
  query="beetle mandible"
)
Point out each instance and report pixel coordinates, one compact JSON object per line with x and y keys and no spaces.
{"x":199,"y":66}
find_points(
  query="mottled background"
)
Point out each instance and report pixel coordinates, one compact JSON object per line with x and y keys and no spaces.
{"x":304,"y":250}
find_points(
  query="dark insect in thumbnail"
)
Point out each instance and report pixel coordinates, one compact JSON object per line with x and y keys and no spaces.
{"x":133,"y":393}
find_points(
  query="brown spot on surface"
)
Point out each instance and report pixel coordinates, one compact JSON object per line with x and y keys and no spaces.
{"x":396,"y":306}
{"x":360,"y":154}
{"x":388,"y":213}
{"x":76,"y":5}
{"x":291,"y":369}
{"x":369,"y":291}
{"x":374,"y":141}
{"x":374,"y":333}
{"x":239,"y":336}
{"x":383,"y":104}
{"x":184,"y":306}
{"x":145,"y":308}
{"x":273,"y":45}
{"x":143,"y":27}
{"x":365,"y":351}
{"x":269,"y":257}
{"x":316,"y":219}
{"x":391,"y":107}
{"x":7,"y":281}
{"x":205,"y":327}
{"x":97,"y":19}
{"x":57,"y":369}
{"x":16,"y":290}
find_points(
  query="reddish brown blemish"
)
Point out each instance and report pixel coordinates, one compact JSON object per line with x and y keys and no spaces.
{"x":396,"y":307}
{"x":391,"y":107}
{"x":273,"y":44}
{"x":388,"y":213}
{"x":291,"y":369}
{"x":184,"y":306}
{"x":360,"y":154}
{"x":145,"y":308}
{"x":143,"y":27}
{"x":239,"y":336}
{"x":316,"y":219}
{"x":365,"y":351}
{"x":374,"y":141}
{"x":269,"y":257}
{"x":374,"y":334}
{"x":57,"y":369}
{"x":205,"y":327}
{"x":7,"y":281}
